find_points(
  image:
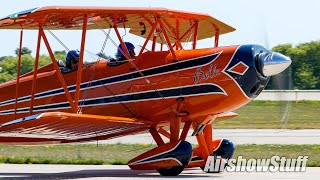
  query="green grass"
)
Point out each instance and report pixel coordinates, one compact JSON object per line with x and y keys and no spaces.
{"x":71,"y":154}
{"x":269,"y":115}
{"x":119,"y":154}
{"x":288,"y":151}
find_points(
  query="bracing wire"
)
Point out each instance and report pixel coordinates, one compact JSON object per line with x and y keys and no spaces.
{"x":125,"y":30}
{"x":95,"y":65}
{"x":143,"y":76}
{"x":181,"y":85}
{"x":60,"y":42}
{"x":189,"y":38}
{"x":53,"y":35}
{"x":109,"y":91}
{"x":94,"y":72}
{"x":131,"y":62}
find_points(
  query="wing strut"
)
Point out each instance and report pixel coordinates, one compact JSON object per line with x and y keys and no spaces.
{"x":41,"y":34}
{"x":216,"y":37}
{"x":60,"y":77}
{"x":178,"y":33}
{"x":79,"y":73}
{"x":195,"y":35}
{"x":18,"y":75}
{"x":35,"y":72}
{"x":175,"y":31}
{"x":125,"y":50}
{"x":187,"y":32}
{"x":154,"y":25}
{"x":168,"y":40}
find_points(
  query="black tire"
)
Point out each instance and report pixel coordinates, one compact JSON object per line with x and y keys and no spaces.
{"x":202,"y":168}
{"x":171,"y":171}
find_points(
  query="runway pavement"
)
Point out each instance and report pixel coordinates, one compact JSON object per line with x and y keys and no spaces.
{"x":14,"y":171}
{"x":241,"y":136}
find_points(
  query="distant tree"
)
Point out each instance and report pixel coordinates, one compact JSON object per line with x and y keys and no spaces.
{"x":282,"y":48}
{"x":8,"y":68}
{"x":24,"y":51}
{"x":305,"y":65}
{"x":9,"y":65}
{"x":63,"y":52}
{"x":5,"y":76}
{"x":44,"y":60}
{"x":27,"y":64}
{"x":305,"y":78}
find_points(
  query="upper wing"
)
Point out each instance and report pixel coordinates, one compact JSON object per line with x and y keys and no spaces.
{"x":64,"y":17}
{"x":60,"y":127}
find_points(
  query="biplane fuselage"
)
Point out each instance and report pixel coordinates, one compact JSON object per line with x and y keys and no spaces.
{"x":150,"y":91}
{"x":212,"y":81}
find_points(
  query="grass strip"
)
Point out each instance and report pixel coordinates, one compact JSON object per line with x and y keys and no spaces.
{"x":275,"y":115}
{"x":120,"y":154}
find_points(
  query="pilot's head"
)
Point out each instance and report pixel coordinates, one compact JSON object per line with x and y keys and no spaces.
{"x":72,"y":59}
{"x":121,"y":52}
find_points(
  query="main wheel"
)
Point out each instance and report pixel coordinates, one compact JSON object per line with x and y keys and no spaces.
{"x":202,"y":168}
{"x":225,"y":151}
{"x":171,"y":171}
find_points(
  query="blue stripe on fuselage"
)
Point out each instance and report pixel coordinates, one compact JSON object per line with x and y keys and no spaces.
{"x":133,"y":97}
{"x":192,"y":63}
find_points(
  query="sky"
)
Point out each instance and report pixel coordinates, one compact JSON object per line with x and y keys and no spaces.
{"x":268,"y":23}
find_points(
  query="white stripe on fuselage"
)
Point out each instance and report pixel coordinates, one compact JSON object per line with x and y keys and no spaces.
{"x":73,"y":86}
{"x":26,"y":109}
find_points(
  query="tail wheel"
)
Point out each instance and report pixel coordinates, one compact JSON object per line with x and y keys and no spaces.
{"x":171,"y":171}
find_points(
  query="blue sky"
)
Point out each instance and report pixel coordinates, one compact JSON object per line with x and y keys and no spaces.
{"x":269,"y":22}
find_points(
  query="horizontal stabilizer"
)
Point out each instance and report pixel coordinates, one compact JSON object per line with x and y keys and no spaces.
{"x":60,"y":127}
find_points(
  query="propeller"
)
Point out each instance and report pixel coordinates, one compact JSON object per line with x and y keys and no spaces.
{"x":276,"y":65}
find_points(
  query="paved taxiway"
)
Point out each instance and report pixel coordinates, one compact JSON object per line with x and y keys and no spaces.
{"x":14,"y":171}
{"x":241,"y":136}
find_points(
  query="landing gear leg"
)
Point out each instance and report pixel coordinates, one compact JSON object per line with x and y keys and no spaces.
{"x":222,"y":148}
{"x":181,"y":153}
{"x":174,"y":136}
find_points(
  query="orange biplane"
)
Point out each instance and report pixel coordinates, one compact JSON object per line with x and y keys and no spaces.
{"x":167,"y":86}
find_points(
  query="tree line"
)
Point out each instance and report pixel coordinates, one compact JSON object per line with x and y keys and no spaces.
{"x":304,"y":72}
{"x":9,"y":64}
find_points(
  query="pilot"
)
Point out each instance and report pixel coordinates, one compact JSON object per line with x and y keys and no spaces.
{"x":121,"y":53}
{"x":72,"y":60}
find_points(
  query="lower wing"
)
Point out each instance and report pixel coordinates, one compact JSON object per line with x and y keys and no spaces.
{"x":60,"y":127}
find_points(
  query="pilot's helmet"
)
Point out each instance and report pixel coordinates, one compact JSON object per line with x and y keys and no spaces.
{"x":72,"y":55}
{"x":121,"y":52}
